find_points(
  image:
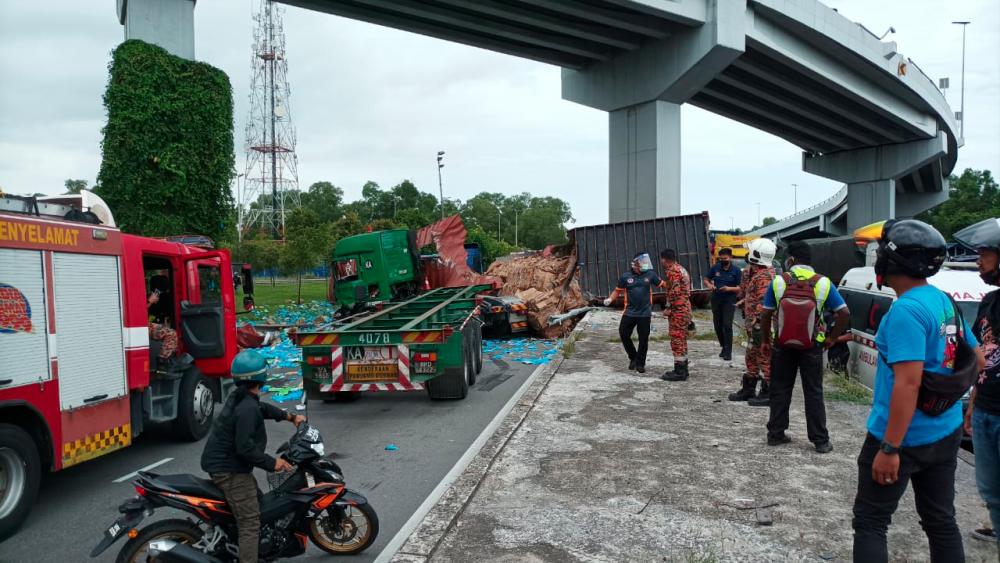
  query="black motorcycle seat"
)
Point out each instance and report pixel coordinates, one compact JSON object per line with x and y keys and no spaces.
{"x":189,"y":485}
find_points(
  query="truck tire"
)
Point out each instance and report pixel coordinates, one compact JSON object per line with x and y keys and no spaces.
{"x":454,"y":382}
{"x":477,"y":349}
{"x":468,"y":347}
{"x":195,"y":407}
{"x":20,"y":473}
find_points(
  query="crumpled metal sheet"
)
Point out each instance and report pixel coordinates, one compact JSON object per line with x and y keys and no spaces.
{"x":531,"y":351}
{"x":449,"y":269}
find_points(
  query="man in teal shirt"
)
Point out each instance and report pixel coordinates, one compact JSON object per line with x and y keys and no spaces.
{"x":918,"y":335}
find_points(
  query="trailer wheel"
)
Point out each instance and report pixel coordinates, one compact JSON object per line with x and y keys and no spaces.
{"x":477,"y":349}
{"x":195,"y":407}
{"x":453,"y":383}
{"x":468,"y":346}
{"x":20,"y":473}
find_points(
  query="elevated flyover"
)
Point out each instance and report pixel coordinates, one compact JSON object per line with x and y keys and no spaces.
{"x":861,"y":111}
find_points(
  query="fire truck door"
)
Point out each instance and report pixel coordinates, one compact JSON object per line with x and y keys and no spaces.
{"x":202,"y":312}
{"x":24,"y":341}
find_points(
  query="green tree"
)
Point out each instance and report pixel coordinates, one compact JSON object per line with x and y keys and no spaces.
{"x":167,"y":150}
{"x":769,"y":221}
{"x":262,"y":253}
{"x":972,"y":197}
{"x":306,"y":238}
{"x":543,"y":223}
{"x":325,"y":199}
{"x":75,"y":186}
{"x":488,"y":244}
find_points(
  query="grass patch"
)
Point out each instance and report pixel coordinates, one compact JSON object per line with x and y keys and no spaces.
{"x":704,"y":336}
{"x":284,"y":291}
{"x":652,"y":338}
{"x":842,"y":388}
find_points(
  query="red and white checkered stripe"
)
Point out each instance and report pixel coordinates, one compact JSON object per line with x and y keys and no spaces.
{"x":403,"y":382}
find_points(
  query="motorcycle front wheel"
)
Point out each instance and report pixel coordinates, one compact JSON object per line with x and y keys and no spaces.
{"x":352,"y":533}
{"x":135,"y":549}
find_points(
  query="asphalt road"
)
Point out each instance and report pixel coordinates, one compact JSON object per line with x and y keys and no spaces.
{"x":75,"y":506}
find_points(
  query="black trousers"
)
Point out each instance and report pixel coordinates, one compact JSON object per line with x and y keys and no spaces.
{"x":722,"y":318}
{"x":931,"y":469}
{"x":785,"y":364}
{"x":625,"y":329}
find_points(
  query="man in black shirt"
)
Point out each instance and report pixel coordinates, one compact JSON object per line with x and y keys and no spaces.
{"x":637,"y":286}
{"x":724,"y":281}
{"x":238,"y":443}
{"x":982,"y":419}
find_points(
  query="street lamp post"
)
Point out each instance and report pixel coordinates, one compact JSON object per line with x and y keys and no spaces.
{"x":795,"y":188}
{"x":961,"y":109}
{"x":499,"y":213}
{"x":440,"y":186}
{"x":758,"y":213}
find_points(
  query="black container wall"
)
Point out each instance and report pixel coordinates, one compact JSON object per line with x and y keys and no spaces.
{"x":604,"y":252}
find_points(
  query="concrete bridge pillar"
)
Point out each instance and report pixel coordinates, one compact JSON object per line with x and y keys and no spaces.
{"x":167,"y":23}
{"x":886,"y":181}
{"x":644,"y":171}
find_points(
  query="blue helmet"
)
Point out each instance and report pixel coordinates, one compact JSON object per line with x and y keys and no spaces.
{"x":248,"y":366}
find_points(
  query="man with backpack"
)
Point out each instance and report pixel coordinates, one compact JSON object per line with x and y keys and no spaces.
{"x":927,"y":359}
{"x":795,"y":301}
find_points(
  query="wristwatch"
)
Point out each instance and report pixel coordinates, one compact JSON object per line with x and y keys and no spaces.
{"x":888,"y":448}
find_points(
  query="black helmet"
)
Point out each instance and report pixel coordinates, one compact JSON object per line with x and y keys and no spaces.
{"x":909,"y":247}
{"x":984,"y":235}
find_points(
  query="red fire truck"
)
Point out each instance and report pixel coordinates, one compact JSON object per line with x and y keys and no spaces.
{"x":80,"y":376}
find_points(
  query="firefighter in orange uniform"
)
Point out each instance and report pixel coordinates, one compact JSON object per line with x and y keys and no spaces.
{"x":760,"y":253}
{"x":679,"y":315}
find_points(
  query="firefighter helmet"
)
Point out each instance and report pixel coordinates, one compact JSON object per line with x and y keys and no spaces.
{"x":249,"y":366}
{"x":761,"y":251}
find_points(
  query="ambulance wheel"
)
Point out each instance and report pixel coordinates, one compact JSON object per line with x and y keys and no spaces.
{"x":20,"y":473}
{"x":195,"y":407}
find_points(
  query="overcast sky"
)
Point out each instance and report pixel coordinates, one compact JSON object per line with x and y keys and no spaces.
{"x":373,"y":103}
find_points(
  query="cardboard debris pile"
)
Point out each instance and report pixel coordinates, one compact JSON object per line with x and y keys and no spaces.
{"x":545,"y":281}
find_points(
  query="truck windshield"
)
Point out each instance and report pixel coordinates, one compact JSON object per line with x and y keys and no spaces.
{"x":346,"y":269}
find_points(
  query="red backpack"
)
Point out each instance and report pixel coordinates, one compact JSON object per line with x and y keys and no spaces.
{"x":798,"y":317}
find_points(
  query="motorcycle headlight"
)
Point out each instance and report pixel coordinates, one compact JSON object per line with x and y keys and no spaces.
{"x":318,"y":448}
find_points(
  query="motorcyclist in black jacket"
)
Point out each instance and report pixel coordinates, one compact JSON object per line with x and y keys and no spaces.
{"x":238,"y":443}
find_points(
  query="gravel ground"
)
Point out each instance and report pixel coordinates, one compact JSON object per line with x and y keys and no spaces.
{"x":610,"y":465}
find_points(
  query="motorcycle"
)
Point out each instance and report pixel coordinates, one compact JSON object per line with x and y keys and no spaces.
{"x":311,"y":502}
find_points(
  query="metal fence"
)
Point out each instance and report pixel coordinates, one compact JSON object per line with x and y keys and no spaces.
{"x":604,"y":252}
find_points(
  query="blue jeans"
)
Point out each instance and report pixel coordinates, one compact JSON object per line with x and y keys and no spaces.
{"x":986,"y":441}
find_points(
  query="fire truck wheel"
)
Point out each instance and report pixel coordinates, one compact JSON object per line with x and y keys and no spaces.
{"x":196,"y":405}
{"x":20,"y":473}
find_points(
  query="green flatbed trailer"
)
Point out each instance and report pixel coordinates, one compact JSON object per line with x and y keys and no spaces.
{"x":433,"y":341}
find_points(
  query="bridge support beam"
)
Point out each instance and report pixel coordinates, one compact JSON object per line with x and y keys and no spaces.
{"x":167,"y":23}
{"x":644,"y":170}
{"x":642,"y":90}
{"x":877,"y":178}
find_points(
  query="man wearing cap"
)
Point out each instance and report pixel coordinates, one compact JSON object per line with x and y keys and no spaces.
{"x":637,"y":286}
{"x":238,"y":443}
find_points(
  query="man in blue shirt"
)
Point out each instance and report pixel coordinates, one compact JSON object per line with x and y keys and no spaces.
{"x":786,"y":361}
{"x":724,"y":281}
{"x":637,"y":286}
{"x":918,"y":335}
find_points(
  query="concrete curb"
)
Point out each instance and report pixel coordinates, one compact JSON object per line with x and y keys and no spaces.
{"x":424,"y":540}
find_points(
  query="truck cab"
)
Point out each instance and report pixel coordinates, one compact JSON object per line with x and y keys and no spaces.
{"x":373,"y":267}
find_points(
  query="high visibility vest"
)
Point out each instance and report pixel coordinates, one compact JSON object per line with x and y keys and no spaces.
{"x":821,"y":290}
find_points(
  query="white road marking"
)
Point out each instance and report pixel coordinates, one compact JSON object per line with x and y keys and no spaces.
{"x":403,"y":534}
{"x":124,"y":478}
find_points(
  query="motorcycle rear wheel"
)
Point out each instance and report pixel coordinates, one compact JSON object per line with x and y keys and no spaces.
{"x":134,"y":550}
{"x":355,"y":534}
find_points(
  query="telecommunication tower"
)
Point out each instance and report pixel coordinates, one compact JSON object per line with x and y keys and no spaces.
{"x":270,"y":182}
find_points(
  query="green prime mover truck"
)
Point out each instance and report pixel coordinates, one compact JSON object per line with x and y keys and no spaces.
{"x":432,"y":341}
{"x":373,"y":267}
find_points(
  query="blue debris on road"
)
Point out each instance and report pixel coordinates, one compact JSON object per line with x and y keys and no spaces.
{"x":391,"y":447}
{"x":531,"y":351}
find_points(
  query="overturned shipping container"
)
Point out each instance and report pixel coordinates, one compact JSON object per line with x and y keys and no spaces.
{"x":604,"y":252}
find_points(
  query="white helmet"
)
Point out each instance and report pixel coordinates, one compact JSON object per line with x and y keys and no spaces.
{"x":761,"y":251}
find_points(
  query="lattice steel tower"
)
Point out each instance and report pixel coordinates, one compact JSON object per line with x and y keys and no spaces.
{"x":270,"y":182}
